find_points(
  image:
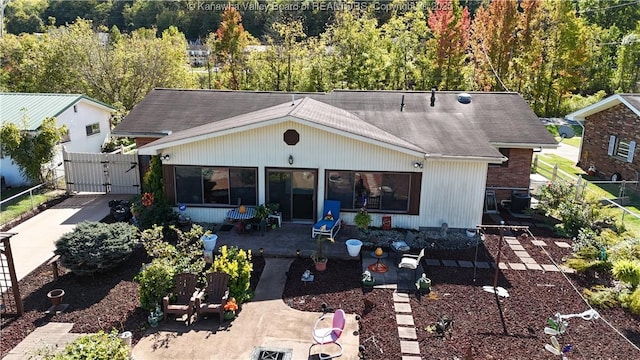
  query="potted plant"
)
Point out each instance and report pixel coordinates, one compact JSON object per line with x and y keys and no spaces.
{"x":362,"y":219}
{"x":318,"y":257}
{"x":261,"y":215}
{"x":230,"y":309}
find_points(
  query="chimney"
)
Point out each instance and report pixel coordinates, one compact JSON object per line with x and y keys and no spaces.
{"x":402,"y":103}
{"x":433,"y":96}
{"x":293,"y":99}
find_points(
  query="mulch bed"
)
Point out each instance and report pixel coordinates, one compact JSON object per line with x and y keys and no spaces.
{"x":479,"y":331}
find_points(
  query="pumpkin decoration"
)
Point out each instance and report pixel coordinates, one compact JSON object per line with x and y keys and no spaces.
{"x":242,"y":209}
{"x":378,"y":252}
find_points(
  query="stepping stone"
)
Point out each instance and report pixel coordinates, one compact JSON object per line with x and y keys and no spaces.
{"x":511,"y":240}
{"x":407,"y":333}
{"x":528,"y":260}
{"x":517,"y":247}
{"x":549,"y":267}
{"x":538,"y":243}
{"x":449,"y":263}
{"x":433,"y":262}
{"x":465,"y":264}
{"x":503,"y":266}
{"x":522,"y":254}
{"x":568,"y":270}
{"x":404,"y":320}
{"x":402,"y":307}
{"x":517,"y":266}
{"x":533,"y":266}
{"x":562,"y":244}
{"x":408,"y":357}
{"x":482,"y":264}
{"x":409,"y":347}
{"x":400,"y":297}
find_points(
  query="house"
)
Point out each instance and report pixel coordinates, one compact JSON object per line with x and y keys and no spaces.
{"x":423,"y":158}
{"x":88,"y":123}
{"x":198,"y":53}
{"x":611,"y":131}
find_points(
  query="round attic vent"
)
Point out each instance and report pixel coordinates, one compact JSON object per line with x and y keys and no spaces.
{"x":464,"y":98}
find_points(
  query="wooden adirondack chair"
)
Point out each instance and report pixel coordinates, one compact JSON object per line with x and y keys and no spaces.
{"x":184,"y":292}
{"x":214,"y":296}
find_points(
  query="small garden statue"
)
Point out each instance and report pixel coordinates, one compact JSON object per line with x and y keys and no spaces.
{"x":423,"y":283}
{"x":367,"y":278}
{"x":155,"y":316}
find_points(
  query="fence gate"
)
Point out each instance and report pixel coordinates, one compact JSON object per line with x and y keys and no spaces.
{"x":107,"y":173}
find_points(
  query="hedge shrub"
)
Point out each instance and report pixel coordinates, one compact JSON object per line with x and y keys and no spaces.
{"x":237,"y":263}
{"x":95,"y":346}
{"x":94,"y":247}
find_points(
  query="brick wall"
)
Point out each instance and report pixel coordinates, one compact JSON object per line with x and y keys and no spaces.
{"x":515,"y":175}
{"x":624,"y":124}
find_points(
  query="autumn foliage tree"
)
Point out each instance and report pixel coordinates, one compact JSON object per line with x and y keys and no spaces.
{"x":228,"y":44}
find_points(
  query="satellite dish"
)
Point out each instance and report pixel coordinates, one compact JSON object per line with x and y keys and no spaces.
{"x":566,"y":132}
{"x":464,"y":98}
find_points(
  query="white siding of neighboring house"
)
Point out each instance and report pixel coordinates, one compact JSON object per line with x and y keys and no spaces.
{"x":76,"y":122}
{"x":452,"y":192}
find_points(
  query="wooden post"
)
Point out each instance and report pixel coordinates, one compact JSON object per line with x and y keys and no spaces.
{"x":54,"y":266}
{"x":12,"y":271}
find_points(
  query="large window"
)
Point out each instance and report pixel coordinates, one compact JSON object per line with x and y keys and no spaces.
{"x":376,"y":191}
{"x":216,"y":185}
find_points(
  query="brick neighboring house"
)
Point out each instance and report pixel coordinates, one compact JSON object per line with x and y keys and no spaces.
{"x":611,"y":132}
{"x":426,"y":158}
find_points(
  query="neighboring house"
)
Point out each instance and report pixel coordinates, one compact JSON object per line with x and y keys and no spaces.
{"x":424,"y":158}
{"x":198,"y":54}
{"x":88,"y":123}
{"x":611,"y":132}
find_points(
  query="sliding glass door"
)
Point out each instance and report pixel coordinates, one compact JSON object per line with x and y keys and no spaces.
{"x":295,"y":191}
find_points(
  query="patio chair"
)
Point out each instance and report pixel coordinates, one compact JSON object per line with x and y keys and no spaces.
{"x":183,"y":292}
{"x":402,"y":247}
{"x":329,"y":335}
{"x":330,"y":223}
{"x":411,"y":262}
{"x":214,"y":296}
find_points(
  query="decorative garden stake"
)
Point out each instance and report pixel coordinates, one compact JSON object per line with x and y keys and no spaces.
{"x":367,"y":278}
{"x":558,"y":325}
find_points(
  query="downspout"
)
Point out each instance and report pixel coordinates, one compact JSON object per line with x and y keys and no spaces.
{"x":581,"y":140}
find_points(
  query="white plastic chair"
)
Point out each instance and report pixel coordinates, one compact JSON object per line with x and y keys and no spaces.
{"x":329,"y":335}
{"x":411,"y":261}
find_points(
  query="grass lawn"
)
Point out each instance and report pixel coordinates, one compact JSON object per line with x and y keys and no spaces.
{"x":568,"y":171}
{"x":25,"y":203}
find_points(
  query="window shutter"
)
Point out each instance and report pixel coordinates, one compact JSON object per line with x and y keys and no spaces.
{"x":632,"y":149}
{"x":612,"y":145}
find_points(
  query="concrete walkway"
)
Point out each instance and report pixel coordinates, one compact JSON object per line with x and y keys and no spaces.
{"x":566,"y":151}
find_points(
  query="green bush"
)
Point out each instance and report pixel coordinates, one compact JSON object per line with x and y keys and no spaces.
{"x":94,"y":247}
{"x":634,"y":303}
{"x":627,"y":271}
{"x":627,"y":249}
{"x":156,"y":280}
{"x":95,"y":346}
{"x":602,"y":297}
{"x":237,"y":263}
{"x":185,"y":256}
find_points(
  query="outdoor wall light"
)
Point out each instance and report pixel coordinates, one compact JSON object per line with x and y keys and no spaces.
{"x":290,"y":159}
{"x":298,"y":252}
{"x":261,"y":251}
{"x":417,"y":165}
{"x":165,"y":157}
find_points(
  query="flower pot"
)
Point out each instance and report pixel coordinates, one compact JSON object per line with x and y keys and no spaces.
{"x":209,"y":242}
{"x":471,"y":233}
{"x":56,"y":296}
{"x":353,"y":247}
{"x":368,"y":283}
{"x":126,"y":337}
{"x":321,"y":265}
{"x":228,"y":315}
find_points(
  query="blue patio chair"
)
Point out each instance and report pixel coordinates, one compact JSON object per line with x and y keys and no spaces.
{"x":330,"y":222}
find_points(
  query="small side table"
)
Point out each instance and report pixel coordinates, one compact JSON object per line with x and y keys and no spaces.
{"x":378,"y":267}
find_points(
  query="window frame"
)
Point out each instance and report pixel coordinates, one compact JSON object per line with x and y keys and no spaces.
{"x":230,"y":191}
{"x":352,"y":175}
{"x":92,"y":129}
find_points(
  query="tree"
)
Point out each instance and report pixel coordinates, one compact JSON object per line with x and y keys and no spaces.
{"x":31,"y":150}
{"x":628,"y":69}
{"x":229,"y":43}
{"x":450,"y":26}
{"x":493,"y":42}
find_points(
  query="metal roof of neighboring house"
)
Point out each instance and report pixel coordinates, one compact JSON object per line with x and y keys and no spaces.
{"x":14,"y":107}
{"x":632,"y":101}
{"x":448,"y":128}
